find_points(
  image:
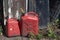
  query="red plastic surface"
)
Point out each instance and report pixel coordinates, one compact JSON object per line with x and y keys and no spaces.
{"x":29,"y":23}
{"x":12,"y":28}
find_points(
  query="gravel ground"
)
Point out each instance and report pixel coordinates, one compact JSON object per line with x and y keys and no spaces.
{"x":20,"y":38}
{"x":12,"y":38}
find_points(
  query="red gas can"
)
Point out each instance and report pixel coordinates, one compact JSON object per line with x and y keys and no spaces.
{"x":12,"y":28}
{"x":29,"y":23}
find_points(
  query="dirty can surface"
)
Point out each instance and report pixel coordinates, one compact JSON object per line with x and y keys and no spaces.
{"x":29,"y":23}
{"x":12,"y":28}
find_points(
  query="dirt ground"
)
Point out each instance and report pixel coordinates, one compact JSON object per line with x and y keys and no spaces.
{"x":18,"y":38}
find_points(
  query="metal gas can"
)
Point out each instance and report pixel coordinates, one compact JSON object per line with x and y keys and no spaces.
{"x":29,"y":23}
{"x":12,"y":28}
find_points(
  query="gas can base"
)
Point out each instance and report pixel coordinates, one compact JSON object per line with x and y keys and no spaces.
{"x":13,"y":36}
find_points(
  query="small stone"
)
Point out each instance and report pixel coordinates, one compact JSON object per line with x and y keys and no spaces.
{"x":1,"y":33}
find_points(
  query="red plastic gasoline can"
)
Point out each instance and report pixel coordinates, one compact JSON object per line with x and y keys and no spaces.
{"x":29,"y":23}
{"x":12,"y":28}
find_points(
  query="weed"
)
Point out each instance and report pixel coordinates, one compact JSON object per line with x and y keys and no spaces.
{"x":31,"y":36}
{"x":51,"y":33}
{"x":38,"y":37}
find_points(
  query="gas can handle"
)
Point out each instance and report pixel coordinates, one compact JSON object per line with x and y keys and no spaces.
{"x":31,"y":14}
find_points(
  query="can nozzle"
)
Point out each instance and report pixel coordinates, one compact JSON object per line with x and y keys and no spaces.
{"x":22,"y":10}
